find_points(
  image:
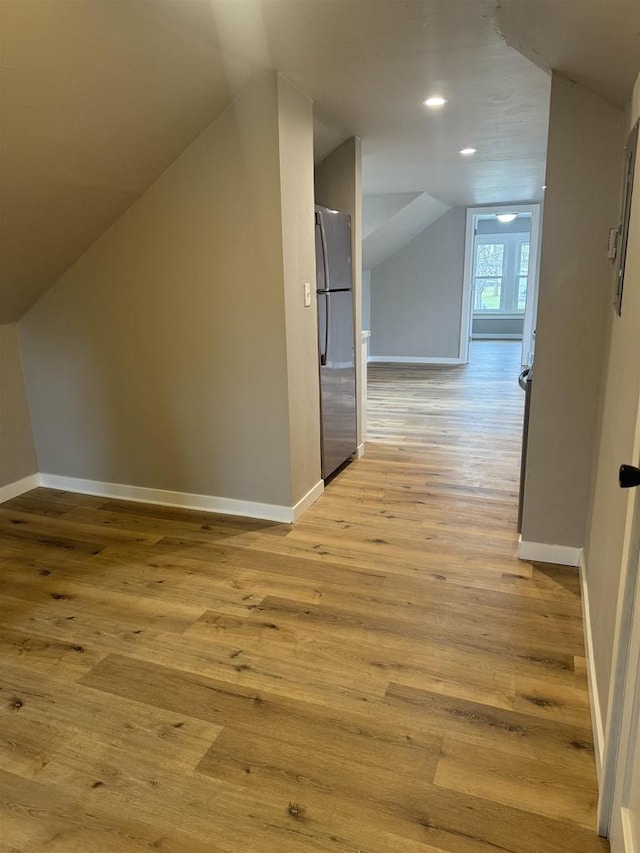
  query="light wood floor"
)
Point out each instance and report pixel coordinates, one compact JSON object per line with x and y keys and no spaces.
{"x":383,"y":677}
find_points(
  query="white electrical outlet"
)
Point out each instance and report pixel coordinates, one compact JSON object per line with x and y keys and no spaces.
{"x":307,"y":294}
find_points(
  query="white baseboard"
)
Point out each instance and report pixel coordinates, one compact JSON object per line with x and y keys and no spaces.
{"x":310,"y":498}
{"x":359,"y":451}
{"x":594,"y":696}
{"x":208,"y":503}
{"x":540,"y":552}
{"x":413,"y":359}
{"x":19,"y":487}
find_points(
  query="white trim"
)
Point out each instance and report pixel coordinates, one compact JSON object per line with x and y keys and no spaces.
{"x":207,"y":503}
{"x":594,"y":697}
{"x":308,"y":500}
{"x":533,"y":285}
{"x":541,"y":552}
{"x":413,"y":359}
{"x":19,"y":487}
{"x":627,"y":831}
{"x":359,"y":451}
{"x":496,"y":336}
{"x":467,"y":288}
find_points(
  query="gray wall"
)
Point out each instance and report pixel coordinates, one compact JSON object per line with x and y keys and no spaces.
{"x":17,"y":453}
{"x":497,"y":326}
{"x":162,"y":358}
{"x":581,"y":204}
{"x":609,"y":546}
{"x":521,"y":225}
{"x":338,"y":184}
{"x":416,"y":294}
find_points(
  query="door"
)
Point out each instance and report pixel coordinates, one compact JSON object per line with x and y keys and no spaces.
{"x":616,"y":520}
{"x":625,"y":816}
{"x":337,"y":378}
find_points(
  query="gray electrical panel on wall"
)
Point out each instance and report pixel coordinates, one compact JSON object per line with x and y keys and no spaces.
{"x":630,"y":152}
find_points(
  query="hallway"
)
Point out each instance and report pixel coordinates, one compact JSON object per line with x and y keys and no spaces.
{"x":383,"y":677}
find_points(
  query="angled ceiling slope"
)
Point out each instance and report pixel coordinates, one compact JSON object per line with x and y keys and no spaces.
{"x":593,"y":42}
{"x":397,"y":226}
{"x":97,"y":98}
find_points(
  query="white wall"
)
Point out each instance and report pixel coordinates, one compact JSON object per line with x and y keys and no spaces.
{"x":416,"y":294}
{"x":165,"y":357}
{"x":608,"y":542}
{"x":17,"y":452}
{"x":575,"y":294}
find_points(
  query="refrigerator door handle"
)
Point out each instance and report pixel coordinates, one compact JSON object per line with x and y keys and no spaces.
{"x":327,"y":317}
{"x":325,"y":254}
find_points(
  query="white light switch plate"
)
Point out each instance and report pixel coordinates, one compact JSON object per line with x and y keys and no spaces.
{"x":307,"y":294}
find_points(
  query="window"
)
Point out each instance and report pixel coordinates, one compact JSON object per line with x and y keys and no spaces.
{"x":500,"y":275}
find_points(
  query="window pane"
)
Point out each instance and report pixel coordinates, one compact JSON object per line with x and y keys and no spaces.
{"x":522,"y":293}
{"x":487,"y":294}
{"x":489,"y":259}
{"x":524,"y":259}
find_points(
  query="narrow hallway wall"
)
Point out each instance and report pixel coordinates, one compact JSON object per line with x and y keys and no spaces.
{"x":17,"y":452}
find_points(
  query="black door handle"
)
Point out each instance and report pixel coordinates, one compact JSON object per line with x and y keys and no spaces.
{"x":628,"y":476}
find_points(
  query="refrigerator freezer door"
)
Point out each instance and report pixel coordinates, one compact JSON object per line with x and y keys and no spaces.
{"x":337,"y":380}
{"x":333,"y":250}
{"x":321,"y":268}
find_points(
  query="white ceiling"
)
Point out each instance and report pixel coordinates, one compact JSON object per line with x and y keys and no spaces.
{"x":98,"y":97}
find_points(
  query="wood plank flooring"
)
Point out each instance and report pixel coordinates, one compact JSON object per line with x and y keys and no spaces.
{"x":382,"y":677}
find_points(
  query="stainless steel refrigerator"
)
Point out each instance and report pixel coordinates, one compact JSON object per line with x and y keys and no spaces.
{"x":335,"y":338}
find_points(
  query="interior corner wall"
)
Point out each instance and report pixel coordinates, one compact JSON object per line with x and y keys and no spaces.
{"x":575,"y":294}
{"x":608,"y":548}
{"x":338,"y":184}
{"x":295,"y":116}
{"x":17,"y":451}
{"x":416,"y":294}
{"x":159,"y":358}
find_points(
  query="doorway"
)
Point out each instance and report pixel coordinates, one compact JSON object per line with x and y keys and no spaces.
{"x":501,"y":264}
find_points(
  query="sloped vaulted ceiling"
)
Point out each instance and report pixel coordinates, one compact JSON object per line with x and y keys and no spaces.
{"x":97,"y":99}
{"x":99,"y":96}
{"x":594,"y":42}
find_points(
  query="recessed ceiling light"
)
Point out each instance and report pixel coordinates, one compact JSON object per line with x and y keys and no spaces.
{"x":435,"y":102}
{"x":506,"y":217}
{"x":467,"y":152}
